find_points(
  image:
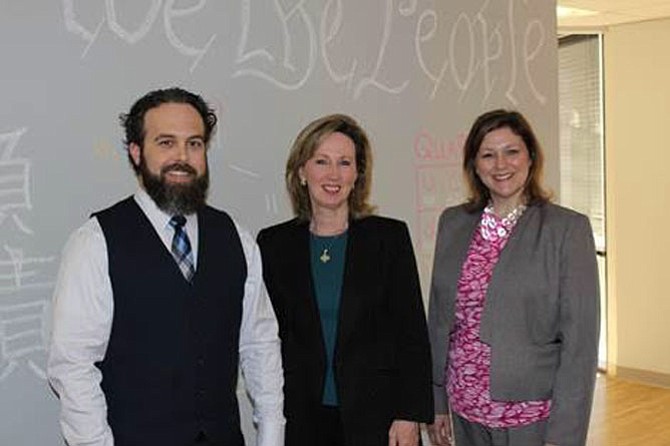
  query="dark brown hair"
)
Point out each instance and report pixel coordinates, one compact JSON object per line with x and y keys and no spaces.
{"x":478,"y":193}
{"x":133,"y":121}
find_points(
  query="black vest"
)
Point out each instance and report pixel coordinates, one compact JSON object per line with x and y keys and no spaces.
{"x":170,"y":370}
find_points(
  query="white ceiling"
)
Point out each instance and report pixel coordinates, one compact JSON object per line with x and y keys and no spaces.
{"x":612,"y":12}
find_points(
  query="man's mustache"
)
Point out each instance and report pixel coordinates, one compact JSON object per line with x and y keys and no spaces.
{"x":179,"y":167}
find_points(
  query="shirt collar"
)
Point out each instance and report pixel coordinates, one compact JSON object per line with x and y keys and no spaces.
{"x":158,"y":218}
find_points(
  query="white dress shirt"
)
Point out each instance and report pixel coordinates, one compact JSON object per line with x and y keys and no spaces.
{"x":83,"y":313}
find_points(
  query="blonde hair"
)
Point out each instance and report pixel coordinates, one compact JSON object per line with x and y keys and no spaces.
{"x":303,"y":149}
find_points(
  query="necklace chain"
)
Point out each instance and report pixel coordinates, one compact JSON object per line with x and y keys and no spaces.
{"x":327,"y":246}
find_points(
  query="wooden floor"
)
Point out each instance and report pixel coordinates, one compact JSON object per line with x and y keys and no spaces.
{"x":629,"y":414}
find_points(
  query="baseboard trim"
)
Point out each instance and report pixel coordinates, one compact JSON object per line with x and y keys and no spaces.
{"x":644,"y":376}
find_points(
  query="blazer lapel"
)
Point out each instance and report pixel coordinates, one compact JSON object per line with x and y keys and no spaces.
{"x":456,"y":251}
{"x":348,"y":301}
{"x":462,"y":241}
{"x":508,"y":257}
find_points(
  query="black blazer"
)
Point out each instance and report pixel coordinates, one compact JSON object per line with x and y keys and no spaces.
{"x":382,"y":354}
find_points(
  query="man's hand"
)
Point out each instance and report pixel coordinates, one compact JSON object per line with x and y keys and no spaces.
{"x":404,"y":433}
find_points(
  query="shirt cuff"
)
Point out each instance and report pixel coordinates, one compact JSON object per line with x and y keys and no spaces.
{"x":270,"y":433}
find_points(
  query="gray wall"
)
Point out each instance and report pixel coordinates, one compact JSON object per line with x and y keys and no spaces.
{"x":414,"y":72}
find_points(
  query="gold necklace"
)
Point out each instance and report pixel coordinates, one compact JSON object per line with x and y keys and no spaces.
{"x":327,"y":245}
{"x":325,"y":255}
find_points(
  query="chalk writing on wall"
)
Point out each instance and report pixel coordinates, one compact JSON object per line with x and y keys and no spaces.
{"x":487,"y":44}
{"x":328,"y":34}
{"x":24,"y":291}
{"x":286,"y":17}
{"x":131,"y":37}
{"x":487,"y":48}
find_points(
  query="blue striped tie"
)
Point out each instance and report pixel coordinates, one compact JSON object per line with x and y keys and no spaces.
{"x":181,"y":247}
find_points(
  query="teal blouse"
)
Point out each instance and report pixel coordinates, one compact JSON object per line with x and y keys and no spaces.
{"x":327,"y":264}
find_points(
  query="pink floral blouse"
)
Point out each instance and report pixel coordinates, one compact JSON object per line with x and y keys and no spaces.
{"x":468,"y":373}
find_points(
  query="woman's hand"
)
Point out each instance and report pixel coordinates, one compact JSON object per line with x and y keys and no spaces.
{"x":440,"y":431}
{"x":404,"y":433}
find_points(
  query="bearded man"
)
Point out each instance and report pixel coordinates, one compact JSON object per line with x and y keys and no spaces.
{"x":159,"y":299}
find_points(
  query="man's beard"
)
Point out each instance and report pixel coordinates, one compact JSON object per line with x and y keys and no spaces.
{"x":176,"y":199}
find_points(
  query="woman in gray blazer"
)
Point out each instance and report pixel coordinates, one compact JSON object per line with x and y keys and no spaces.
{"x":513,"y":317}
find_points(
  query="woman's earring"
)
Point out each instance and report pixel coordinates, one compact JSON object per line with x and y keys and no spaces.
{"x":303,"y":182}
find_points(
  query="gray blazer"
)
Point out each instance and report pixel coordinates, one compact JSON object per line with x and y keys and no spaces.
{"x":541,"y":314}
